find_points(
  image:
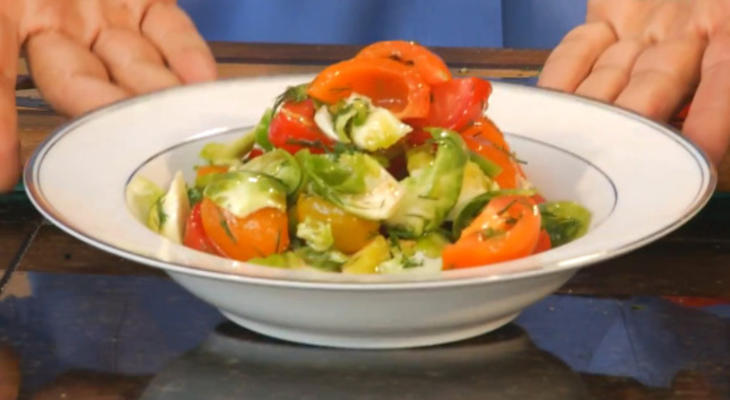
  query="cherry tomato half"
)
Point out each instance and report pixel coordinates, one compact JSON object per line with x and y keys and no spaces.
{"x":351,"y":233}
{"x":430,"y":66}
{"x":388,"y":83}
{"x":260,"y":234}
{"x":293,"y":127}
{"x":508,"y":228}
{"x":195,"y":236}
{"x":543,"y":242}
{"x":483,"y":138}
{"x":456,"y":103}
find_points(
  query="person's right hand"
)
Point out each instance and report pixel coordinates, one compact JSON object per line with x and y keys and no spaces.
{"x":651,"y":56}
{"x":87,"y":53}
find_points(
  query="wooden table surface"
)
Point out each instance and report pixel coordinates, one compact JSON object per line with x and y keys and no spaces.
{"x":693,"y":262}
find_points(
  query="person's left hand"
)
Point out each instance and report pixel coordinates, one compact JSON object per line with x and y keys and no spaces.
{"x":651,"y":56}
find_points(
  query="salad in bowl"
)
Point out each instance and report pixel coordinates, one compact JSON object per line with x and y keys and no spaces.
{"x":382,"y":164}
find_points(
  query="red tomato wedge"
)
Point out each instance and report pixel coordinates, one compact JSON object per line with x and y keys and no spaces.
{"x":483,"y":138}
{"x":195,"y":236}
{"x":543,"y":242}
{"x":430,"y":66}
{"x":260,"y":234}
{"x":388,"y":83}
{"x":508,"y":228}
{"x":293,"y":126}
{"x":253,"y":154}
{"x":456,"y":103}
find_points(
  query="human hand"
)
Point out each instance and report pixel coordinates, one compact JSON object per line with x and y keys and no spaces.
{"x":651,"y":56}
{"x":87,"y":53}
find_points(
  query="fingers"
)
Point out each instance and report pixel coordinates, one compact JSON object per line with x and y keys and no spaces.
{"x":133,"y":62}
{"x":70,"y":77}
{"x":664,"y":75}
{"x":572,"y":60}
{"x":9,"y":142}
{"x":174,"y":34}
{"x":612,"y":71}
{"x":708,"y":122}
{"x":627,"y":17}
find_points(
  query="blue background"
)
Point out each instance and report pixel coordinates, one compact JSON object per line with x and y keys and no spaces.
{"x":478,"y":23}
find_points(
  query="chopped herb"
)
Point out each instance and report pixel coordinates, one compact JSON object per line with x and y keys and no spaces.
{"x":507,"y":207}
{"x":427,"y":197}
{"x":398,"y":58}
{"x":489,"y":233}
{"x":195,"y":195}
{"x":411,"y":262}
{"x":348,"y":114}
{"x":339,"y":89}
{"x":396,"y":234}
{"x":227,"y":229}
{"x":292,"y":93}
{"x":477,"y":204}
{"x":343,"y":148}
{"x":511,"y":154}
{"x":511,"y":220}
{"x":422,"y":217}
{"x":161,"y":215}
{"x":328,"y":260}
{"x":278,"y":240}
{"x":314,"y":144}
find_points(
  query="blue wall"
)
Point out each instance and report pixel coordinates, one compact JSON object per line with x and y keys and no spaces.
{"x":539,"y":23}
{"x":486,"y":23}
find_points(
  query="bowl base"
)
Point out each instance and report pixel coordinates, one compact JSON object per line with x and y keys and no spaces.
{"x":376,"y":341}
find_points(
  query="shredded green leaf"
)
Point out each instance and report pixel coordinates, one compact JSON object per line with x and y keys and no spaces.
{"x":280,"y":260}
{"x":328,"y":261}
{"x":564,"y":221}
{"x":489,"y":167}
{"x":292,"y":93}
{"x":261,"y":131}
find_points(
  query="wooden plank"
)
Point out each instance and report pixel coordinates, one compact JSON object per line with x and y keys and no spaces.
{"x":18,"y":219}
{"x":674,"y":266}
{"x":667,"y":268}
{"x":268,"y":58}
{"x":55,"y":251}
{"x":236,"y":70}
{"x":34,"y":127}
{"x":276,"y":53}
{"x":694,"y":261}
{"x":723,"y":174}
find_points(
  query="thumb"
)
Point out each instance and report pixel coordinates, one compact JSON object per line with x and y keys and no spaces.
{"x":9,"y":141}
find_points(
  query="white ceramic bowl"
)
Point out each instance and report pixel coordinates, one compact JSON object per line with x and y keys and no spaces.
{"x":640,"y":179}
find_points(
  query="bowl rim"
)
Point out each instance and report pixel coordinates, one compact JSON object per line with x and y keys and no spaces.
{"x":572,"y":263}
